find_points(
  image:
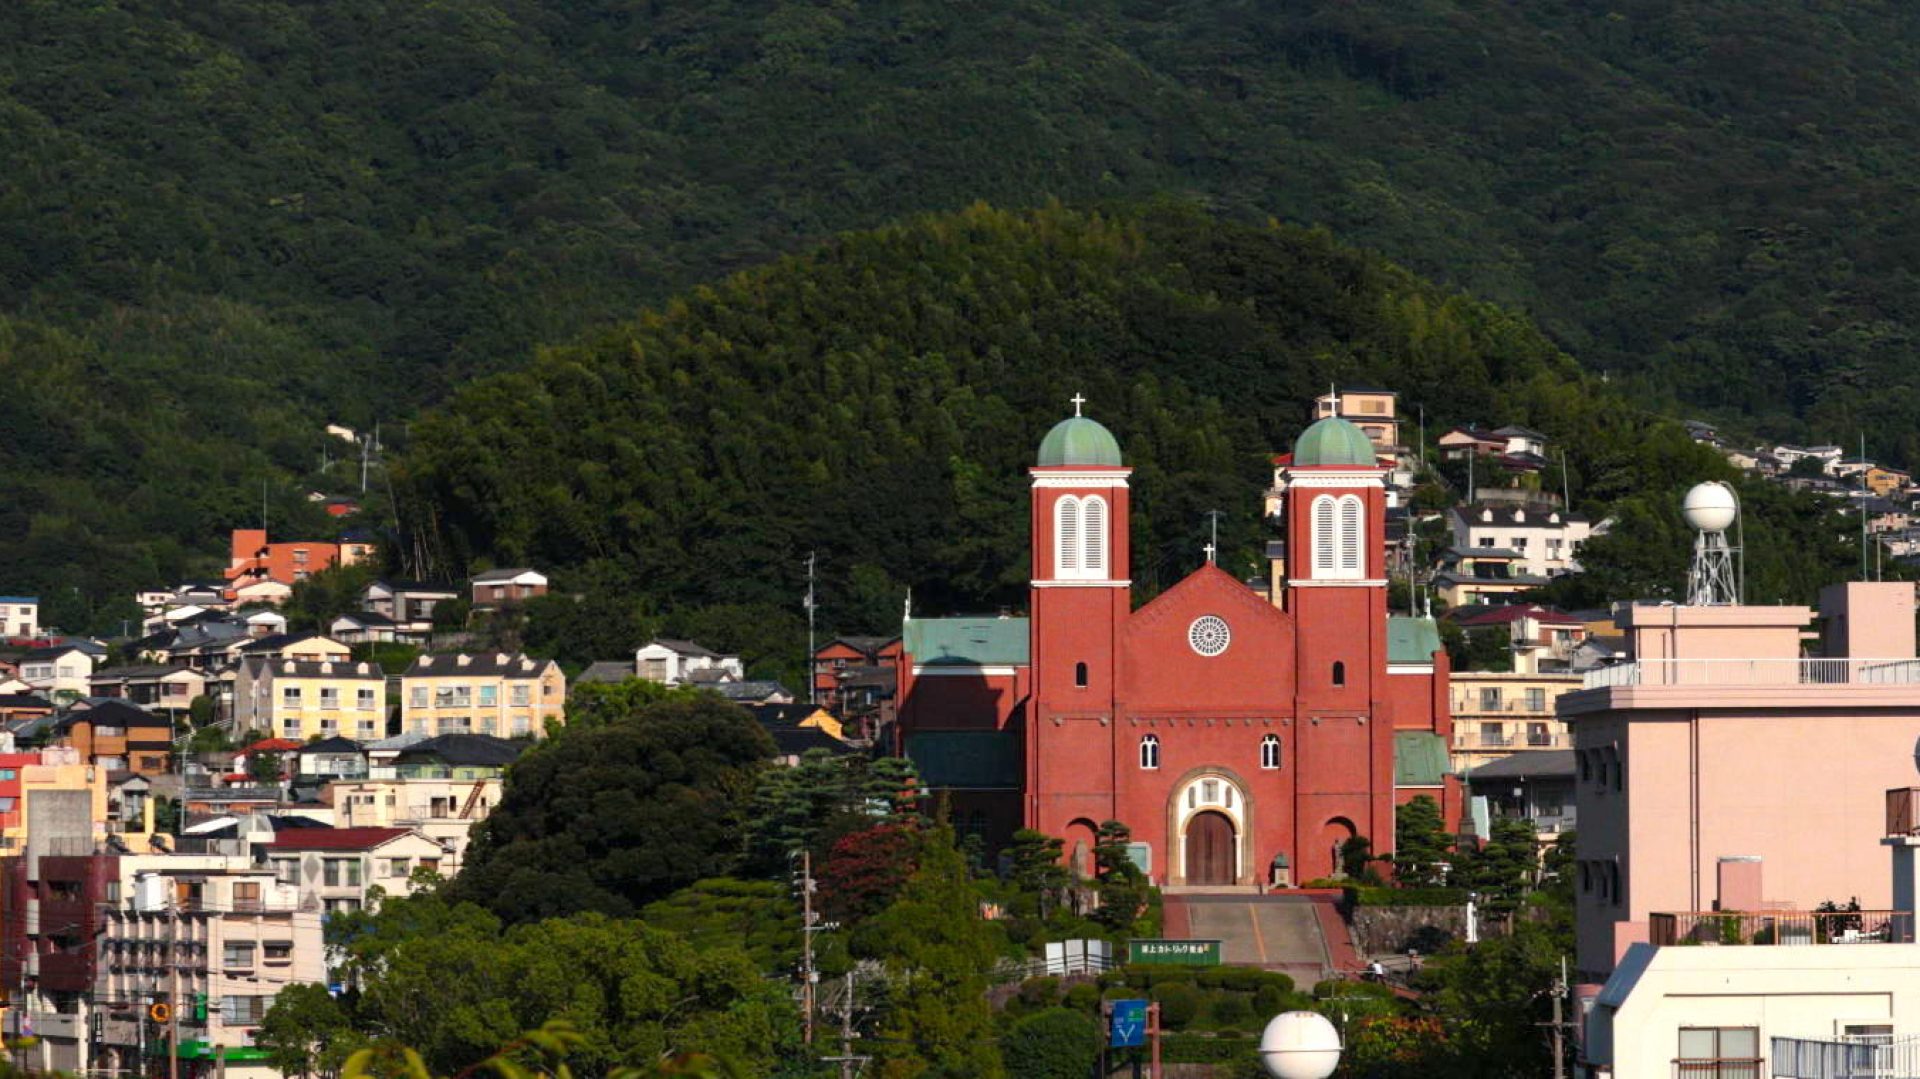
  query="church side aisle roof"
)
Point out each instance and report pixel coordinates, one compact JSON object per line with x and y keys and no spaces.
{"x":1412,"y":640}
{"x":1419,"y":759}
{"x":966,"y":642}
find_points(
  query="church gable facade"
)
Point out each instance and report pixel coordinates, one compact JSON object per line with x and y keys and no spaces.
{"x":1241,"y":737}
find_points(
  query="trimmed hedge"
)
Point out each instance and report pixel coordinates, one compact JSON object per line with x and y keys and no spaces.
{"x":1406,"y":897}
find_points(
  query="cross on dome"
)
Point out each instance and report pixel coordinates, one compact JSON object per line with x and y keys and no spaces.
{"x":1078,"y":400}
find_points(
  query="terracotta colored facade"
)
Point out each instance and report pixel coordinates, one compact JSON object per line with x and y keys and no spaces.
{"x":254,"y":560}
{"x":1242,"y":738}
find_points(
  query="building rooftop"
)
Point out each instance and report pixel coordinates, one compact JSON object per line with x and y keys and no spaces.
{"x":966,"y":642}
{"x":336,"y":838}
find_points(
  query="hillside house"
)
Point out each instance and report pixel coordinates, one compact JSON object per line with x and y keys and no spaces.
{"x":19,"y":617}
{"x":1547,"y":538}
{"x":497,"y":587}
{"x":677,"y":663}
{"x":510,"y":695}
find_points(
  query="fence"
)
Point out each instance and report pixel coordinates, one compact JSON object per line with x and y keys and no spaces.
{"x":1756,"y":672}
{"x":1866,"y":1057}
{"x":1780,"y":927}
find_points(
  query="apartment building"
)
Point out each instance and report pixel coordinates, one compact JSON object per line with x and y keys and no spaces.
{"x":59,"y":673}
{"x":1496,"y":713}
{"x":1546,"y":538}
{"x":333,"y":868}
{"x":115,"y":735}
{"x":19,"y":617}
{"x":302,"y":699}
{"x":510,"y":696}
{"x":23,"y":776}
{"x":441,"y":809}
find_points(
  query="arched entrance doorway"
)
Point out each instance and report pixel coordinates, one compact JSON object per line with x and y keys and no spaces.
{"x":1210,"y":849}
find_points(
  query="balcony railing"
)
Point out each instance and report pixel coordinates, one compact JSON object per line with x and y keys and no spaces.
{"x":1780,"y":927}
{"x":1868,"y":1057}
{"x":1756,"y":672}
{"x":1721,"y":1068}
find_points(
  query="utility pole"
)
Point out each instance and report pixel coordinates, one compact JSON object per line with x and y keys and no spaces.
{"x":1558,"y":1028}
{"x":366,"y":451}
{"x":173,"y":982}
{"x":807,"y":974}
{"x":811,"y":606}
{"x":849,"y":1063}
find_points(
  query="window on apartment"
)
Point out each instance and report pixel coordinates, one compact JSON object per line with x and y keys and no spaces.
{"x":1536,"y":699}
{"x":1538,"y":736}
{"x":653,"y":670}
{"x":440,"y":807}
{"x":430,"y":865}
{"x":452,"y":696}
{"x":246,"y":895}
{"x":522,"y":695}
{"x":286,"y":870}
{"x":278,"y":951}
{"x":341,"y":872}
{"x":290,"y":696}
{"x":1493,"y":734}
{"x":489,"y":696}
{"x":419,"y":696}
{"x":363,"y":700}
{"x":522,"y":726}
{"x":1490,"y":698}
{"x":329,"y":697}
{"x":1719,"y":1053}
{"x":397,"y":868}
{"x":238,"y":953}
{"x":243,"y":1011}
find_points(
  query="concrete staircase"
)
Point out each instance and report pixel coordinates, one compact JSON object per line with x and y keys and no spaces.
{"x":1275,"y":932}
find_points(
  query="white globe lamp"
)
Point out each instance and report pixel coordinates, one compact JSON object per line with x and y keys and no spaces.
{"x":1300,"y":1045}
{"x":1710,"y":507}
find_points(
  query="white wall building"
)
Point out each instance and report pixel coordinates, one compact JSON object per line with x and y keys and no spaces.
{"x":19,"y":616}
{"x":1547,"y":537}
{"x":676,"y":663}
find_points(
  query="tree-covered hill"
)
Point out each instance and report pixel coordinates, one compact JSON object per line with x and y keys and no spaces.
{"x":227,"y":221}
{"x":880,"y":400}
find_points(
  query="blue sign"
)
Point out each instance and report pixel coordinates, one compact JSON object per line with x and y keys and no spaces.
{"x":1129,"y":1027}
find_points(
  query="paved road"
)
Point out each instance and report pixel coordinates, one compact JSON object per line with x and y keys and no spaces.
{"x":1277,"y":932}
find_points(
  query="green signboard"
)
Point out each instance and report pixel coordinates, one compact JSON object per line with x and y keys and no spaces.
{"x":1188,"y":953}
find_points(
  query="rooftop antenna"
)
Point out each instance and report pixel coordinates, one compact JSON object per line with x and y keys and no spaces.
{"x":1213,"y":544}
{"x":1715,"y":577}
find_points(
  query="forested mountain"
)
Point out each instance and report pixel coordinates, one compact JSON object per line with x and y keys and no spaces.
{"x":880,"y":399}
{"x":227,"y":221}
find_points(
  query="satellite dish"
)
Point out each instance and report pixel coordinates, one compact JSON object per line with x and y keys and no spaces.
{"x":1710,"y":507}
{"x":1300,"y":1045}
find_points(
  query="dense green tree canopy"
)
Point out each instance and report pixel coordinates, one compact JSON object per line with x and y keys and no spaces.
{"x":358,"y":205}
{"x":611,"y":817}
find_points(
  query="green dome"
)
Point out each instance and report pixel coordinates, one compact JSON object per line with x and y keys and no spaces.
{"x":1334,"y":441}
{"x":1079,"y":441}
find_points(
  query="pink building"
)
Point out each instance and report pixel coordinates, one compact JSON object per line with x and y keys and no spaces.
{"x":1722,"y":769}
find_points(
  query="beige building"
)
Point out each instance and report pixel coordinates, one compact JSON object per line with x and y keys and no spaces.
{"x":332,"y":868}
{"x":1718,"y":745}
{"x":1498,"y":713}
{"x":301,"y":699}
{"x":23,"y":776}
{"x":509,"y":696}
{"x":443,"y":810}
{"x":238,"y":937}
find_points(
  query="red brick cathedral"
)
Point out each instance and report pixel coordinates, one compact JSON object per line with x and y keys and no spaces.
{"x":1241,"y":736}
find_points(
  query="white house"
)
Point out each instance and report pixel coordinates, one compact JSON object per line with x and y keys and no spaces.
{"x":677,"y":663}
{"x":19,"y":616}
{"x":1547,"y":538}
{"x":61,"y":673}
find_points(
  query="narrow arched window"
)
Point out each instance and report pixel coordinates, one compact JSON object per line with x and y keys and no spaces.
{"x":1093,"y":531}
{"x":1325,"y":523}
{"x":1339,"y":673}
{"x":1080,"y":675}
{"x":1270,"y":752}
{"x":1150,"y":752}
{"x":1352,"y":533}
{"x":1066,"y":537}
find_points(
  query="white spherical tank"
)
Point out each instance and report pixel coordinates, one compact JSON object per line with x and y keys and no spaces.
{"x":1710,"y":507}
{"x":1300,"y":1045}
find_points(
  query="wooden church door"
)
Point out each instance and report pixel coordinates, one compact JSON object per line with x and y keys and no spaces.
{"x":1210,"y":850}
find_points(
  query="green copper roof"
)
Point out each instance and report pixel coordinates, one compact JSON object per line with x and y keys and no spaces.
{"x":1419,"y":759}
{"x":1412,"y":640}
{"x":1334,"y":441}
{"x":966,"y":642}
{"x":966,"y":760}
{"x":1078,"y":440}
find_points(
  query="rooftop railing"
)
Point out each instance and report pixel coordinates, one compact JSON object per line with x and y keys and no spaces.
{"x":1756,"y":672}
{"x":1780,"y":927}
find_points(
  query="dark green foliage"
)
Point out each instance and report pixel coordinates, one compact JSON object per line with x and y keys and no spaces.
{"x":1502,"y":870}
{"x":612,"y":817}
{"x":327,"y":595}
{"x":359,"y":205}
{"x":812,"y":804}
{"x":1053,"y":1044}
{"x":1121,"y":886}
{"x":307,"y":1031}
{"x":1420,"y":843}
{"x":1179,"y":1004}
{"x":760,"y":917}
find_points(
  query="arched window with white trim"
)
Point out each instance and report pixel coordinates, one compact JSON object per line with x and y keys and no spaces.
{"x":1093,"y":531}
{"x":1150,"y":752}
{"x":1270,"y":752}
{"x":1066,"y":536}
{"x":1325,"y":524}
{"x":1352,"y":536}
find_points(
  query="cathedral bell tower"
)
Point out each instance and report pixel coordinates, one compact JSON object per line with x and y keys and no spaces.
{"x":1081,"y":591}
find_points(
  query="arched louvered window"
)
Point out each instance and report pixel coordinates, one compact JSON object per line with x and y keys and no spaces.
{"x":1066,"y":537}
{"x":1093,"y":530}
{"x":1352,"y":535}
{"x":1150,"y":752}
{"x":1325,"y":524}
{"x":1270,"y":752}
